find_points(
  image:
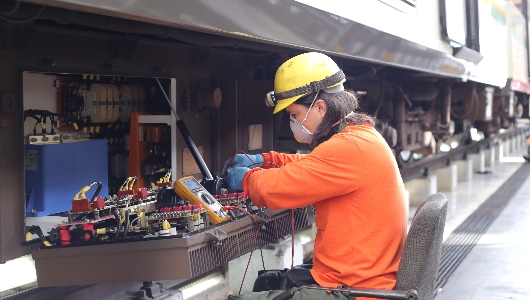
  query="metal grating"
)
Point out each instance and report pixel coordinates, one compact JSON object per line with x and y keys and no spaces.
{"x":211,"y":256}
{"x":283,"y":226}
{"x":301,"y":219}
{"x":466,"y":235}
{"x":204,"y":259}
{"x":247,"y":244}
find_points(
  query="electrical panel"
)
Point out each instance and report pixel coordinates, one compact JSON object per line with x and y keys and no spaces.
{"x":104,"y":162}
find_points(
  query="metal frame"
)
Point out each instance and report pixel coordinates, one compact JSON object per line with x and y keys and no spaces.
{"x":428,"y":164}
{"x":164,"y":258}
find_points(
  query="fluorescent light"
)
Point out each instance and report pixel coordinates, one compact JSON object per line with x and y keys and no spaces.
{"x":201,"y":285}
{"x":445,"y":148}
{"x":17,"y":272}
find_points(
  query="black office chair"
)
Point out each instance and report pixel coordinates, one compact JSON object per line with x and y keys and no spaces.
{"x":418,"y":267}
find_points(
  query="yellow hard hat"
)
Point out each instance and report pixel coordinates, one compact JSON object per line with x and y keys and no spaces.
{"x":302,"y":75}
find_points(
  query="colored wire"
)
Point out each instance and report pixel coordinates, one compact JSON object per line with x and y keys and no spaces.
{"x":263,"y":262}
{"x":136,"y":219}
{"x":98,"y":190}
{"x":292,"y":238}
{"x":232,"y":161}
{"x":245,"y":274}
{"x":292,"y":218}
{"x":245,"y":211}
{"x":257,"y":232}
{"x":255,"y":163}
{"x":263,"y":163}
{"x":39,"y":120}
{"x":229,"y":165}
{"x":51,"y":115}
{"x":229,"y":207}
{"x":52,"y":120}
{"x":249,"y":166}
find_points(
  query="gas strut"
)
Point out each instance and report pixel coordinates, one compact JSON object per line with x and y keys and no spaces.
{"x":212,"y":184}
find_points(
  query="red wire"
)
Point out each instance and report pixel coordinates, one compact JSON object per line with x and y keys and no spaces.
{"x":292,"y":238}
{"x":229,"y":165}
{"x":232,"y":161}
{"x":248,"y":213}
{"x":245,"y":211}
{"x":253,"y":162}
{"x":257,"y":231}
{"x":245,"y":274}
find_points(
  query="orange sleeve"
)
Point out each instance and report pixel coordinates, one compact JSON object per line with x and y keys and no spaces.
{"x":274,"y":159}
{"x":333,"y":168}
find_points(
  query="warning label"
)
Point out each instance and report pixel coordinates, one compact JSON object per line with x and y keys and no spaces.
{"x":31,"y":160}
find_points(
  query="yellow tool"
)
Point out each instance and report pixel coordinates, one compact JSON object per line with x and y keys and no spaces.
{"x":190,"y":189}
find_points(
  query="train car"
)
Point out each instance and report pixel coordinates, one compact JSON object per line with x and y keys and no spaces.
{"x":95,"y":94}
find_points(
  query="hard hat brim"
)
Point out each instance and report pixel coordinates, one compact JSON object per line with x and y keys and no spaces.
{"x":281,"y":104}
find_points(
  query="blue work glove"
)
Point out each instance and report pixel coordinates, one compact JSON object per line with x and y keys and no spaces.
{"x":241,"y":160}
{"x":235,"y":177}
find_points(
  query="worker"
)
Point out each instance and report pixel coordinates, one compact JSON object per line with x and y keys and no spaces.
{"x":350,"y":176}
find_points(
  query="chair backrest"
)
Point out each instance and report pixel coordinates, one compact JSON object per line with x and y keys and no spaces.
{"x":418,"y":267}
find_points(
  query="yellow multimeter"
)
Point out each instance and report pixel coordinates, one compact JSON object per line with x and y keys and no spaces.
{"x":190,"y":189}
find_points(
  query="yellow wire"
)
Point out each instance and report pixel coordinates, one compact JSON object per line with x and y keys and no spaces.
{"x":166,"y":225}
{"x":133,"y":181}
{"x":82,"y":193}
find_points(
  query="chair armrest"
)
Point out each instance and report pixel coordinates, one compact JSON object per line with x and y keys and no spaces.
{"x":411,"y":294}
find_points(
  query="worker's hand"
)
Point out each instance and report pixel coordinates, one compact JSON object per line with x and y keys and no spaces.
{"x":242,"y":160}
{"x":235,"y":178}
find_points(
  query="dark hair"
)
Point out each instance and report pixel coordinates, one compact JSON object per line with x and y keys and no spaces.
{"x":338,"y":106}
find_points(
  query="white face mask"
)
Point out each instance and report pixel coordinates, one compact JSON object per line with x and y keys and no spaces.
{"x":302,"y":134}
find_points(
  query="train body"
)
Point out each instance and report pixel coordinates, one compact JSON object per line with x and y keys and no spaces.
{"x":437,"y":75}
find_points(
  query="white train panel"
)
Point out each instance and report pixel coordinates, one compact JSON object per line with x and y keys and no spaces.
{"x":517,"y":49}
{"x":417,"y":24}
{"x":493,"y":69}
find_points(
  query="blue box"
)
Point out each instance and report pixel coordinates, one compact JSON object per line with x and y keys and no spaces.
{"x":56,"y":172}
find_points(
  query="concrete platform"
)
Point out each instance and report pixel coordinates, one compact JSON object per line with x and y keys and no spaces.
{"x":498,"y":266}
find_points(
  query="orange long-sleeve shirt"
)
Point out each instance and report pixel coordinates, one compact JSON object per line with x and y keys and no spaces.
{"x":355,"y":185}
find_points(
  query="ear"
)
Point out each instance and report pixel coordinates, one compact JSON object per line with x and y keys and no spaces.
{"x":321,"y":107}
